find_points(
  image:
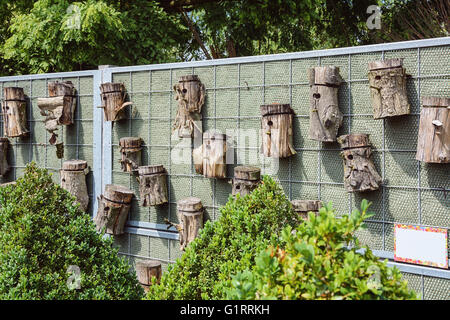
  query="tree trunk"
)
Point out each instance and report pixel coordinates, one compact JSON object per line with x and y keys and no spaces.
{"x":14,"y":112}
{"x":325,"y":117}
{"x":4,"y":167}
{"x":130,"y":148}
{"x":190,"y":215}
{"x":113,"y":97}
{"x":276,"y":127}
{"x":152,"y":185}
{"x":73,"y":179}
{"x":360,"y":174}
{"x":113,"y":208}
{"x":302,"y":207}
{"x":245,"y":180}
{"x":146,"y":270}
{"x":387,"y":80}
{"x":214,"y":155}
{"x":433,"y":145}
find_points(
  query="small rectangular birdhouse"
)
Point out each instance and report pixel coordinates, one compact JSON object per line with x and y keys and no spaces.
{"x":302,"y":207}
{"x":276,"y":130}
{"x":245,"y":180}
{"x":4,"y":166}
{"x":130,"y":149}
{"x":210,"y":158}
{"x":152,"y":185}
{"x":113,"y":98}
{"x":73,"y":179}
{"x":14,"y":110}
{"x":433,"y":144}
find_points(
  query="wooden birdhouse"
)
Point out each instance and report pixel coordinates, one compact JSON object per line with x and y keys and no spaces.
{"x":276,"y":128}
{"x":14,"y":110}
{"x":360,"y":174}
{"x":325,"y":118}
{"x":302,"y":207}
{"x":152,"y":185}
{"x":113,"y":207}
{"x":4,"y":166}
{"x":130,"y":149}
{"x":146,"y":271}
{"x":245,"y":180}
{"x":433,"y":144}
{"x":73,"y":179}
{"x":113,"y":98}
{"x":210,"y":158}
{"x":190,"y":94}
{"x":387,"y":81}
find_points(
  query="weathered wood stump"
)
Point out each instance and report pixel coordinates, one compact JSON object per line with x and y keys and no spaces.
{"x":360,"y":174}
{"x":130,"y":149}
{"x":302,"y":207}
{"x":210,"y":158}
{"x":433,"y":144}
{"x":146,"y":271}
{"x":276,"y":130}
{"x":113,"y":97}
{"x":14,"y":110}
{"x":73,"y":179}
{"x":190,"y":94}
{"x":113,"y":207}
{"x":387,"y":80}
{"x":325,"y":117}
{"x":245,"y":180}
{"x":4,"y":166}
{"x":152,"y":185}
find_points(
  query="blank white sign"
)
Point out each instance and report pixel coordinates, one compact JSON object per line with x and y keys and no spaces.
{"x":421,"y":246}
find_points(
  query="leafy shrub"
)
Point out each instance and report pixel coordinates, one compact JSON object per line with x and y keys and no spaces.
{"x":42,"y":233}
{"x":246,"y":226}
{"x":316,"y":263}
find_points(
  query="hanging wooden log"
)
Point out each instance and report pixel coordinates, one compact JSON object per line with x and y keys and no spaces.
{"x":113,"y":98}
{"x":152,"y":185}
{"x":190,"y":94}
{"x":4,"y":166}
{"x":360,"y":174}
{"x":113,"y":207}
{"x":433,"y":145}
{"x":73,"y":179}
{"x":130,"y":149}
{"x":146,"y":271}
{"x":14,"y":112}
{"x":387,"y":80}
{"x":325,"y":117}
{"x":210,"y":158}
{"x":67,"y":90}
{"x":276,"y":128}
{"x":302,"y":207}
{"x":245,"y":180}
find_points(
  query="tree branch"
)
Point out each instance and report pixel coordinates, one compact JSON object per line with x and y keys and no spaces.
{"x":195,"y":33}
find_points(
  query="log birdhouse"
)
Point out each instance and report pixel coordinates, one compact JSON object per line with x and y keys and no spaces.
{"x":73,"y":179}
{"x":113,"y":98}
{"x":245,"y":180}
{"x":152,"y":185}
{"x":146,"y":271}
{"x":325,"y":118}
{"x":387,"y":81}
{"x":4,"y":167}
{"x":302,"y":207}
{"x":14,"y":112}
{"x":276,"y":128}
{"x":58,"y":109}
{"x":210,"y":158}
{"x":360,"y":174}
{"x":190,"y":94}
{"x":433,"y":144}
{"x":113,"y":207}
{"x":130,"y":149}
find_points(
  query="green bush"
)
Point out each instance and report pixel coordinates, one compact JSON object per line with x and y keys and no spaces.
{"x":246,"y":226}
{"x":42,"y":233}
{"x":316,"y":262}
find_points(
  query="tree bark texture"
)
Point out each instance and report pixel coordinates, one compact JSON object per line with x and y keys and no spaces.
{"x":14,"y":110}
{"x":130,"y":149}
{"x":433,"y":144}
{"x":276,"y":129}
{"x":113,"y":98}
{"x":360,"y":174}
{"x":190,"y":215}
{"x":4,"y":166}
{"x":213,"y":155}
{"x":245,"y":180}
{"x":302,"y":207}
{"x":153,"y":185}
{"x":113,"y":208}
{"x":325,"y":117}
{"x":73,"y":179}
{"x":387,"y":80}
{"x":146,"y":271}
{"x":190,"y":94}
